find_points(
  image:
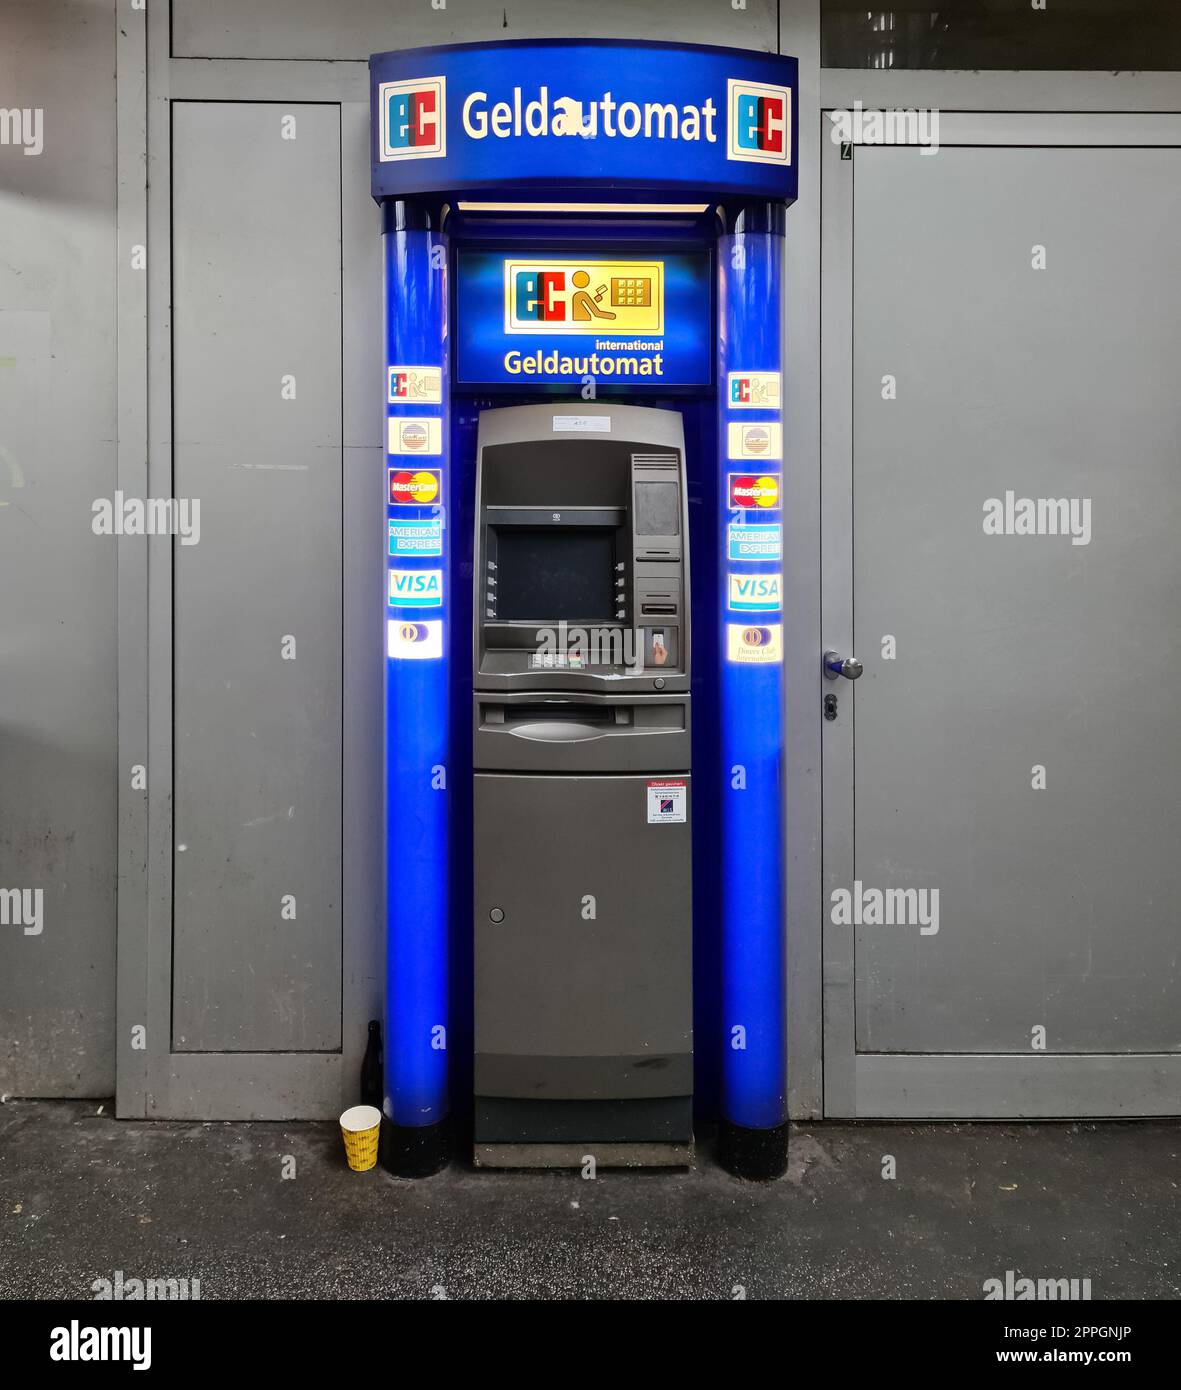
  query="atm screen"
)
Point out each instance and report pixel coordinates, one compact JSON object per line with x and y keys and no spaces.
{"x":549,"y":573}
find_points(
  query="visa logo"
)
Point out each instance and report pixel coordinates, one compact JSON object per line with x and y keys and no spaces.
{"x":416,"y":588}
{"x":752,"y":593}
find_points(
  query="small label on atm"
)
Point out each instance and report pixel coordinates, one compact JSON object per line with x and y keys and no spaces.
{"x":757,"y":541}
{"x":416,"y":537}
{"x":668,"y":803}
{"x":582,"y":424}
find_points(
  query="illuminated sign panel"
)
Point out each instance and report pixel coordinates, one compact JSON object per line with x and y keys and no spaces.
{"x":563,"y":320}
{"x":583,"y":116}
{"x":584,"y":296}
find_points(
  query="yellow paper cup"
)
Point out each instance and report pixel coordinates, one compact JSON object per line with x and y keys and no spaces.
{"x":360,"y":1127}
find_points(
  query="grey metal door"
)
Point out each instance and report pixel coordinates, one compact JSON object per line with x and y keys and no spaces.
{"x":1000,"y":507}
{"x":256,"y":603}
{"x":242,"y":1011}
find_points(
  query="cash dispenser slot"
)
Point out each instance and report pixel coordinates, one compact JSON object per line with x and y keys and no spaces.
{"x":608,"y":734}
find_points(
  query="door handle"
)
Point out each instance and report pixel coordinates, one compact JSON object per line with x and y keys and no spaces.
{"x":837,"y":665}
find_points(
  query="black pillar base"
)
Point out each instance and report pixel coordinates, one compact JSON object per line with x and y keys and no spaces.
{"x":759,"y":1155}
{"x":415,"y":1152}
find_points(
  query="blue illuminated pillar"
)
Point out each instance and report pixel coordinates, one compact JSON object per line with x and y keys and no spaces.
{"x":417,"y":604}
{"x":753,"y":1137}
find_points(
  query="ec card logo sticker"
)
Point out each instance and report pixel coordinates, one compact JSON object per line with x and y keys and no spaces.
{"x":411,"y":434}
{"x":416,"y":588}
{"x":753,"y":390}
{"x":414,"y":641}
{"x":753,"y":593}
{"x":416,"y":537}
{"x":416,"y":385}
{"x":754,"y":646}
{"x":668,"y":803}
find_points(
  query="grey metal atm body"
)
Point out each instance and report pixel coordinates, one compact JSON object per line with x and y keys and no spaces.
{"x":582,"y":801}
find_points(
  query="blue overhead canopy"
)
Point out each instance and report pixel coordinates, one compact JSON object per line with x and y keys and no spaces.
{"x":583,"y":120}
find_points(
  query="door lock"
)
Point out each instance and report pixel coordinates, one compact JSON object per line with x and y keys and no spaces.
{"x":837,"y":665}
{"x":830,"y":707}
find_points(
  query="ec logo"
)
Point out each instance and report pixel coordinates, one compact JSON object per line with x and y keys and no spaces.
{"x":754,"y":390}
{"x":584,"y":296}
{"x":418,"y":384}
{"x":759,"y":122}
{"x":413,"y":119}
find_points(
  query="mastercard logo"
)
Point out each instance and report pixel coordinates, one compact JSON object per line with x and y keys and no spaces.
{"x":414,"y":489}
{"x":747,"y":491}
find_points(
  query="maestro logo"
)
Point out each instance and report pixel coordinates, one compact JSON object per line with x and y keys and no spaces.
{"x":413,"y":119}
{"x":758,"y":122}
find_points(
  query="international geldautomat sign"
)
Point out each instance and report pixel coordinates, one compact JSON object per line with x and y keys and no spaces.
{"x":581,"y":118}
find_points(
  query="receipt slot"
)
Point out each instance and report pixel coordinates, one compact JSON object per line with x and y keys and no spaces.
{"x":582,"y":799}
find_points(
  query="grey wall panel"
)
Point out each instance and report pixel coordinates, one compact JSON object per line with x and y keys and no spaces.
{"x":355,"y":28}
{"x":1058,"y":906}
{"x":57,"y":579}
{"x":256,"y":298}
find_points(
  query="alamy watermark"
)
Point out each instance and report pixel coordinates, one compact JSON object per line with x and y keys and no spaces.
{"x":23,"y":907}
{"x":1020,"y":1289}
{"x":577,"y":647}
{"x":168,"y":1289}
{"x":869,"y":126}
{"x":1038,"y":516}
{"x":23,"y":125}
{"x":151,"y":516}
{"x":78,"y":1342}
{"x":886,"y":907}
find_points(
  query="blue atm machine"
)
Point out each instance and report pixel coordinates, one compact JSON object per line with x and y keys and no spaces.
{"x":583,"y":376}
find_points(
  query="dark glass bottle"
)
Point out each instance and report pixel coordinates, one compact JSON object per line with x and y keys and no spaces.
{"x":371,"y":1090}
